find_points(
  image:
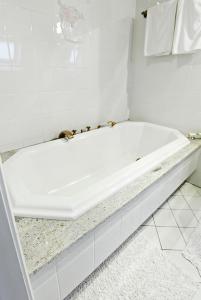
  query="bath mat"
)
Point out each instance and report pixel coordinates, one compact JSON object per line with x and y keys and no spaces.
{"x":193,"y":250}
{"x":137,"y":271}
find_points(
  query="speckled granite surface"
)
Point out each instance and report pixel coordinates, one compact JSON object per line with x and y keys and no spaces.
{"x":43,"y":240}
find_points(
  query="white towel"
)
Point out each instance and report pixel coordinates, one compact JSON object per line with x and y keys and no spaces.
{"x":187,"y":37}
{"x":160,"y":29}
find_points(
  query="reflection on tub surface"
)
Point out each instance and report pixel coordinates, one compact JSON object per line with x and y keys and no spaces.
{"x":64,"y":180}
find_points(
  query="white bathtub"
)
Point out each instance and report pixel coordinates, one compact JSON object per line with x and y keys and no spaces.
{"x":63,"y":180}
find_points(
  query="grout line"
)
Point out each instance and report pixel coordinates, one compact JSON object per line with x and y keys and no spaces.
{"x":184,"y":209}
{"x":191,"y":208}
{"x":173,"y":250}
{"x":187,"y":202}
{"x":163,"y":249}
{"x":179,"y":228}
{"x":195,"y":216}
{"x":175,"y":226}
{"x":157,"y":234}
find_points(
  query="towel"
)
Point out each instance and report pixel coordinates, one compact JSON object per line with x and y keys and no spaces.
{"x":160,"y":29}
{"x":187,"y":38}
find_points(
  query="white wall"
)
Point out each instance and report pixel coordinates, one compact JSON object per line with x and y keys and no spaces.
{"x":165,"y":90}
{"x":47,"y":83}
{"x":14,"y":280}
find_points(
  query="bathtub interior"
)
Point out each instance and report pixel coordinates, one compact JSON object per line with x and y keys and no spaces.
{"x":67,"y":168}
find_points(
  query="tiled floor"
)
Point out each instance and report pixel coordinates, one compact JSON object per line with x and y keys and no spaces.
{"x":171,"y":226}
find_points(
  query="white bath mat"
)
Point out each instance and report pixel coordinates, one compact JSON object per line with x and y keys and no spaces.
{"x":137,"y":271}
{"x":193,"y":249}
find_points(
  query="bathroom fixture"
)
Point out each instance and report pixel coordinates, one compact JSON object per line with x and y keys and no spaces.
{"x":144,"y":13}
{"x":111,"y":123}
{"x":66,"y":134}
{"x":194,"y":136}
{"x":120,"y":217}
{"x":74,"y":131}
{"x":57,"y":187}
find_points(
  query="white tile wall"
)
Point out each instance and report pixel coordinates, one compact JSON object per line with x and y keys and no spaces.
{"x":47,"y":83}
{"x":164,"y":90}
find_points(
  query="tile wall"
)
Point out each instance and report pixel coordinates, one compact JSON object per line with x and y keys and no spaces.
{"x":63,"y":64}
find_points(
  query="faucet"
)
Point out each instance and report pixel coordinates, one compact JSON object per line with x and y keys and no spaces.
{"x":194,"y":136}
{"x":111,"y":123}
{"x":66,"y":134}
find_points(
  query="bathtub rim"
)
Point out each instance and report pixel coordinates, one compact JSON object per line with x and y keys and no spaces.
{"x":77,"y":210}
{"x":118,"y":179}
{"x":96,"y":217}
{"x":80,"y":136}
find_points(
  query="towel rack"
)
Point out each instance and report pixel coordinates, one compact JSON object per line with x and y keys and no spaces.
{"x":144,"y":13}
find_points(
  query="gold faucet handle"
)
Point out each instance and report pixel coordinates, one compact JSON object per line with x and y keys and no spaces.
{"x":88,"y":128}
{"x":83,"y":130}
{"x":111,"y":123}
{"x":66,"y":134}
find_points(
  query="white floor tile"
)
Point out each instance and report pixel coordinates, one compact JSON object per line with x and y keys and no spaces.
{"x":197,"y":213}
{"x":194,"y":202}
{"x":164,"y":217}
{"x":165,"y":206}
{"x":197,"y":295}
{"x":178,"y":259}
{"x":185,"y":218}
{"x":171,"y":238}
{"x":178,"y":192}
{"x":149,"y":222}
{"x":190,"y":190}
{"x":178,"y":202}
{"x":187,"y":232}
{"x":151,"y":234}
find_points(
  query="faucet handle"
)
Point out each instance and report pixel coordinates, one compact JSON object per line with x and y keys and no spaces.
{"x":66,"y":134}
{"x":111,"y":123}
{"x":99,"y":126}
{"x":88,"y":128}
{"x":74,"y":131}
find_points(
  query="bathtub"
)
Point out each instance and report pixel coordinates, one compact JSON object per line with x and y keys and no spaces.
{"x":64,"y":179}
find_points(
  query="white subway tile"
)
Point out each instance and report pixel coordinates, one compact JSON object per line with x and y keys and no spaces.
{"x":48,"y":83}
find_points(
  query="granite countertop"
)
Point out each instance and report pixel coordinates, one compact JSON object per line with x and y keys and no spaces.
{"x":43,"y":240}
